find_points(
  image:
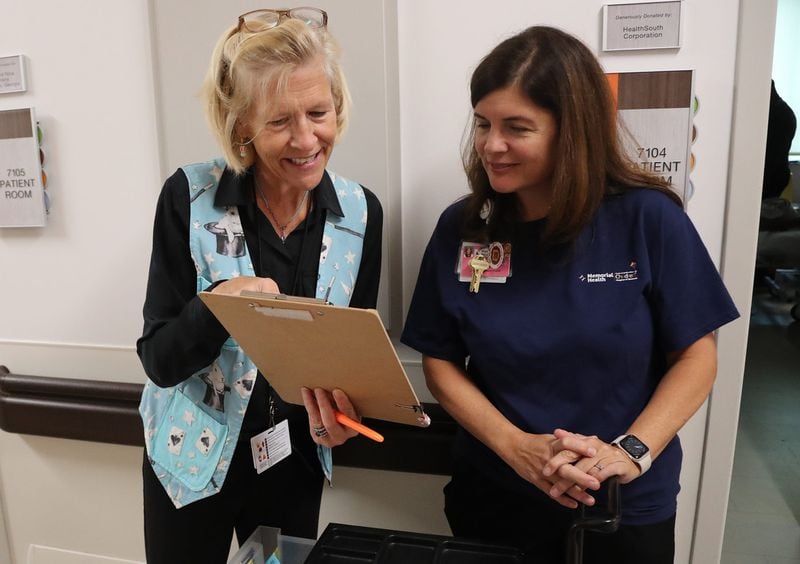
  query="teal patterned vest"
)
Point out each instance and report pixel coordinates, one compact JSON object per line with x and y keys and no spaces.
{"x":191,"y":429}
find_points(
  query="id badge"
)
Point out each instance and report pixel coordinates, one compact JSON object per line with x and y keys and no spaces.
{"x":271,"y":446}
{"x":497,"y":254}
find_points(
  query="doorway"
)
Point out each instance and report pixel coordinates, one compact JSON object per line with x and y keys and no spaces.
{"x":763,"y":515}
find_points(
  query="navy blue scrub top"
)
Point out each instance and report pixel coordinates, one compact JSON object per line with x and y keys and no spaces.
{"x":575,"y":339}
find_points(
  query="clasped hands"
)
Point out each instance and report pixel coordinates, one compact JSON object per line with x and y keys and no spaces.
{"x":568,"y":466}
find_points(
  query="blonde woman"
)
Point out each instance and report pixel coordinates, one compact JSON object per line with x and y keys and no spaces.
{"x":268,"y":217}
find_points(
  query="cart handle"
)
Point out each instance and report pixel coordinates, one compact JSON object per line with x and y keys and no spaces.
{"x":603,"y":523}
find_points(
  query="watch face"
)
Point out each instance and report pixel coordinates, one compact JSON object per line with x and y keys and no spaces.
{"x":634,"y":446}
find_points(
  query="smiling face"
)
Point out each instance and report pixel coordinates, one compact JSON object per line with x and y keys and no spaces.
{"x":294,"y":130}
{"x":515,"y":140}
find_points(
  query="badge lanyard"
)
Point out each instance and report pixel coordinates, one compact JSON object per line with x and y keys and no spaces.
{"x":273,"y":445}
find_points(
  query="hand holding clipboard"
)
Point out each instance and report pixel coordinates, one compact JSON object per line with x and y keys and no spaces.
{"x":302,"y":342}
{"x":321,"y":405}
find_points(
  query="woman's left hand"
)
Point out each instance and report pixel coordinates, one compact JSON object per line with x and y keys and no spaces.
{"x":608,"y":461}
{"x":321,"y":406}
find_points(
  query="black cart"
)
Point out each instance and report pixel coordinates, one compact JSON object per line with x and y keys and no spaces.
{"x":350,"y":544}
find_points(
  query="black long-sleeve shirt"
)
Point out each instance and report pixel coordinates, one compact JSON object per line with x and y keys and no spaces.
{"x":181,"y":335}
{"x":781,"y":127}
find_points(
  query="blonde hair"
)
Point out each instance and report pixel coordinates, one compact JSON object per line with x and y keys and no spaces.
{"x":249,"y":66}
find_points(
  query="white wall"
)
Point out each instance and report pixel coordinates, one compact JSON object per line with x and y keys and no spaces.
{"x":79,"y":280}
{"x":71,"y":293}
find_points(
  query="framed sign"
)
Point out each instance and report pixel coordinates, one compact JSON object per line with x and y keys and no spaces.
{"x":649,"y":25}
{"x":12,"y":74}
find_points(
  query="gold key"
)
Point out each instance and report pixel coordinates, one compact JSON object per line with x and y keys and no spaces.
{"x":479,"y":265}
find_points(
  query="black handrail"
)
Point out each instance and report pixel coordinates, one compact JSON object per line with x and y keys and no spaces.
{"x":107,"y":412}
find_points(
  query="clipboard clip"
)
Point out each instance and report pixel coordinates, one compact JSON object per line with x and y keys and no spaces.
{"x":271,"y":305}
{"x":422,"y":419}
{"x":283,"y":297}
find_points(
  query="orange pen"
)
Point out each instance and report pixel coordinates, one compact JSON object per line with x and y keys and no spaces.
{"x":356,"y":426}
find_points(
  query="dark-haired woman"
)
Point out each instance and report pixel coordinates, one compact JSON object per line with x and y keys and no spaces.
{"x":575,"y":336}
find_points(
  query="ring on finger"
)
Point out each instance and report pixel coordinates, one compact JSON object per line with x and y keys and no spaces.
{"x":598,"y":466}
{"x":320,"y":431}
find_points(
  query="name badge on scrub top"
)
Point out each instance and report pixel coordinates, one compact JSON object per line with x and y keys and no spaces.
{"x":271,"y":446}
{"x":497,"y":254}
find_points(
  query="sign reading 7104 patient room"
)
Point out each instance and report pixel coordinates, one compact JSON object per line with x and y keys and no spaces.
{"x":21,"y":191}
{"x":656,"y":111}
{"x":649,"y":25}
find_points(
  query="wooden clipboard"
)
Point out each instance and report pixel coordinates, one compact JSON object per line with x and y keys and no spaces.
{"x":298,"y":342}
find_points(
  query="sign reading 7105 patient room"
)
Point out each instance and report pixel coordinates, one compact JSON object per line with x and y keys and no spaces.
{"x":21,"y":191}
{"x":649,"y":25}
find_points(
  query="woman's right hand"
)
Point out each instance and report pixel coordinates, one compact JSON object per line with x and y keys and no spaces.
{"x":530,"y":453}
{"x":235,"y":286}
{"x":322,"y":406}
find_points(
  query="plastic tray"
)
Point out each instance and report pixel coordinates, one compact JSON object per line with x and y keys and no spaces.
{"x":350,"y":544}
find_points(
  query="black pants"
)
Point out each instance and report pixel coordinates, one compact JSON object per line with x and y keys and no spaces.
{"x":287,"y":495}
{"x":478,"y":508}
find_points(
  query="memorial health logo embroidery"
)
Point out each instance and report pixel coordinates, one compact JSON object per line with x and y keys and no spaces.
{"x":623,"y":276}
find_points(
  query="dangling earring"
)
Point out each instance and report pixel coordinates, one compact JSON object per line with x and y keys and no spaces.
{"x":243,"y":147}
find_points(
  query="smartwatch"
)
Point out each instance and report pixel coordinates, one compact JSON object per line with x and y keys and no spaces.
{"x":635,"y":449}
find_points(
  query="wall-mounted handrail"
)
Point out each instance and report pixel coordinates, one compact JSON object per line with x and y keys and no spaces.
{"x":108,"y":412}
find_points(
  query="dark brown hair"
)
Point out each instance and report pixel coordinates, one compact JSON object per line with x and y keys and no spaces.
{"x":557,"y":72}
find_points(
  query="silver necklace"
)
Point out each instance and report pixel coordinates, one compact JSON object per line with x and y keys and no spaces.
{"x":281,"y":228}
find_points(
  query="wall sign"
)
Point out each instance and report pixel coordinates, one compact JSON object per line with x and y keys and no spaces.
{"x":650,"y":25}
{"x":12,"y":74}
{"x":656,"y":109}
{"x":21,"y":190}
